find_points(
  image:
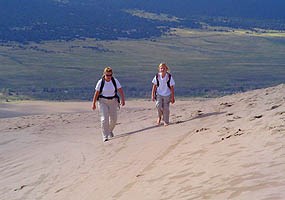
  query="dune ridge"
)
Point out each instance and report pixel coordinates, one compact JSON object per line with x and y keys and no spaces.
{"x":224,"y":148}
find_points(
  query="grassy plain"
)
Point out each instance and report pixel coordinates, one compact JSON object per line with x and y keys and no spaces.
{"x":206,"y":63}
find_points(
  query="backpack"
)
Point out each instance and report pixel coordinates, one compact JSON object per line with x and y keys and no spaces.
{"x":168,"y":82}
{"x":116,"y":90}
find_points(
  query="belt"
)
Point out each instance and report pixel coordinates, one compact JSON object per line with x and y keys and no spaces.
{"x":101,"y":96}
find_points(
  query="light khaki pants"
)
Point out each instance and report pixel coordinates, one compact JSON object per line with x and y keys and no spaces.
{"x":108,"y":115}
{"x":162,"y":105}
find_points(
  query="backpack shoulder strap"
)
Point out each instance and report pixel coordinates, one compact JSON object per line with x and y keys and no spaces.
{"x":116,"y":90}
{"x":169,"y":78}
{"x":102,"y":85}
{"x":157,"y":82}
{"x":115,"y":84}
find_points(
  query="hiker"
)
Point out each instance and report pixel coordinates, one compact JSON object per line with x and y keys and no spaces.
{"x":163,"y":92}
{"x":109,"y":101}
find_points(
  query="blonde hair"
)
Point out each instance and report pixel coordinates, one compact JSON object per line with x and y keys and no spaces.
{"x":107,"y":69}
{"x":164,"y":64}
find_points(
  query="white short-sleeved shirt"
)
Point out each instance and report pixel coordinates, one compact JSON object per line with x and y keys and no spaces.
{"x":163,"y":89}
{"x":109,"y":88}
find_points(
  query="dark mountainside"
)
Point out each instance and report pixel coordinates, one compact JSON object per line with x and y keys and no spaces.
{"x":36,"y":20}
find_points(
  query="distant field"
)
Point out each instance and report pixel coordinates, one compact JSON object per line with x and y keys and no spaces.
{"x":203,"y":63}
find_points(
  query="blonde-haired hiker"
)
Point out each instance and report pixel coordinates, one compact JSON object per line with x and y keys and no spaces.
{"x":163,"y":93}
{"x":106,"y":94}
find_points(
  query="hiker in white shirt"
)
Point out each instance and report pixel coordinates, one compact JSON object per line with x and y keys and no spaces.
{"x":163,"y":93}
{"x":106,"y":93}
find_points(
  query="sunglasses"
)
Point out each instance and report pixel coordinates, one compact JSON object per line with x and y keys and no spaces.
{"x":108,"y":75}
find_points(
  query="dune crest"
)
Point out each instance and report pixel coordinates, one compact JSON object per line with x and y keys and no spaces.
{"x":225,"y":148}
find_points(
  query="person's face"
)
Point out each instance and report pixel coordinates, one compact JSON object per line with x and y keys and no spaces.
{"x":108,"y":75}
{"x":163,"y":69}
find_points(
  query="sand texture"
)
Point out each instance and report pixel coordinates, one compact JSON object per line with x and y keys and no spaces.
{"x":224,"y":148}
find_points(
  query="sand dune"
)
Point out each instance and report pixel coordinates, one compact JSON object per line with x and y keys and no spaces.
{"x":225,"y":148}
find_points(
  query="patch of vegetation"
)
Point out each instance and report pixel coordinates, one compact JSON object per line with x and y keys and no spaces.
{"x":7,"y":95}
{"x":153,"y":16}
{"x":208,"y":62}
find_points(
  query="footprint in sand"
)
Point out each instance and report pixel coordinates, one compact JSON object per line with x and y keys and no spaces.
{"x":274,"y":107}
{"x":239,"y":132}
{"x":201,"y":129}
{"x":20,"y":188}
{"x":227,"y":104}
{"x":255,"y":117}
{"x":280,"y":113}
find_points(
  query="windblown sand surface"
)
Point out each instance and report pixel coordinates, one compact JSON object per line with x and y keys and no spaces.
{"x":225,"y":148}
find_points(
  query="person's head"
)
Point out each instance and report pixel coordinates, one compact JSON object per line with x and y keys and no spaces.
{"x":108,"y":72}
{"x":162,"y":67}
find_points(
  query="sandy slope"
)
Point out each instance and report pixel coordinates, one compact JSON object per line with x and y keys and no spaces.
{"x":225,"y":148}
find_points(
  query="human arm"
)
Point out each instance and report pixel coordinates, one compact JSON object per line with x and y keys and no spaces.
{"x":122,"y":95}
{"x":96,"y":95}
{"x":153,"y":92}
{"x":172,"y":98}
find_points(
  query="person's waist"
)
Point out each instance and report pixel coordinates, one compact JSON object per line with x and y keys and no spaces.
{"x":168,"y":95}
{"x":107,"y":97}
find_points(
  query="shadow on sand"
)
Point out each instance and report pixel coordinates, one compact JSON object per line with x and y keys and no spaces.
{"x":199,"y":117}
{"x":177,"y":122}
{"x":137,"y":131}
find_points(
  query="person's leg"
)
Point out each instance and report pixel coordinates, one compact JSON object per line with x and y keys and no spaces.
{"x":166,"y":111}
{"x":113,"y":115}
{"x":158,"y":104}
{"x":104,"y":117}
